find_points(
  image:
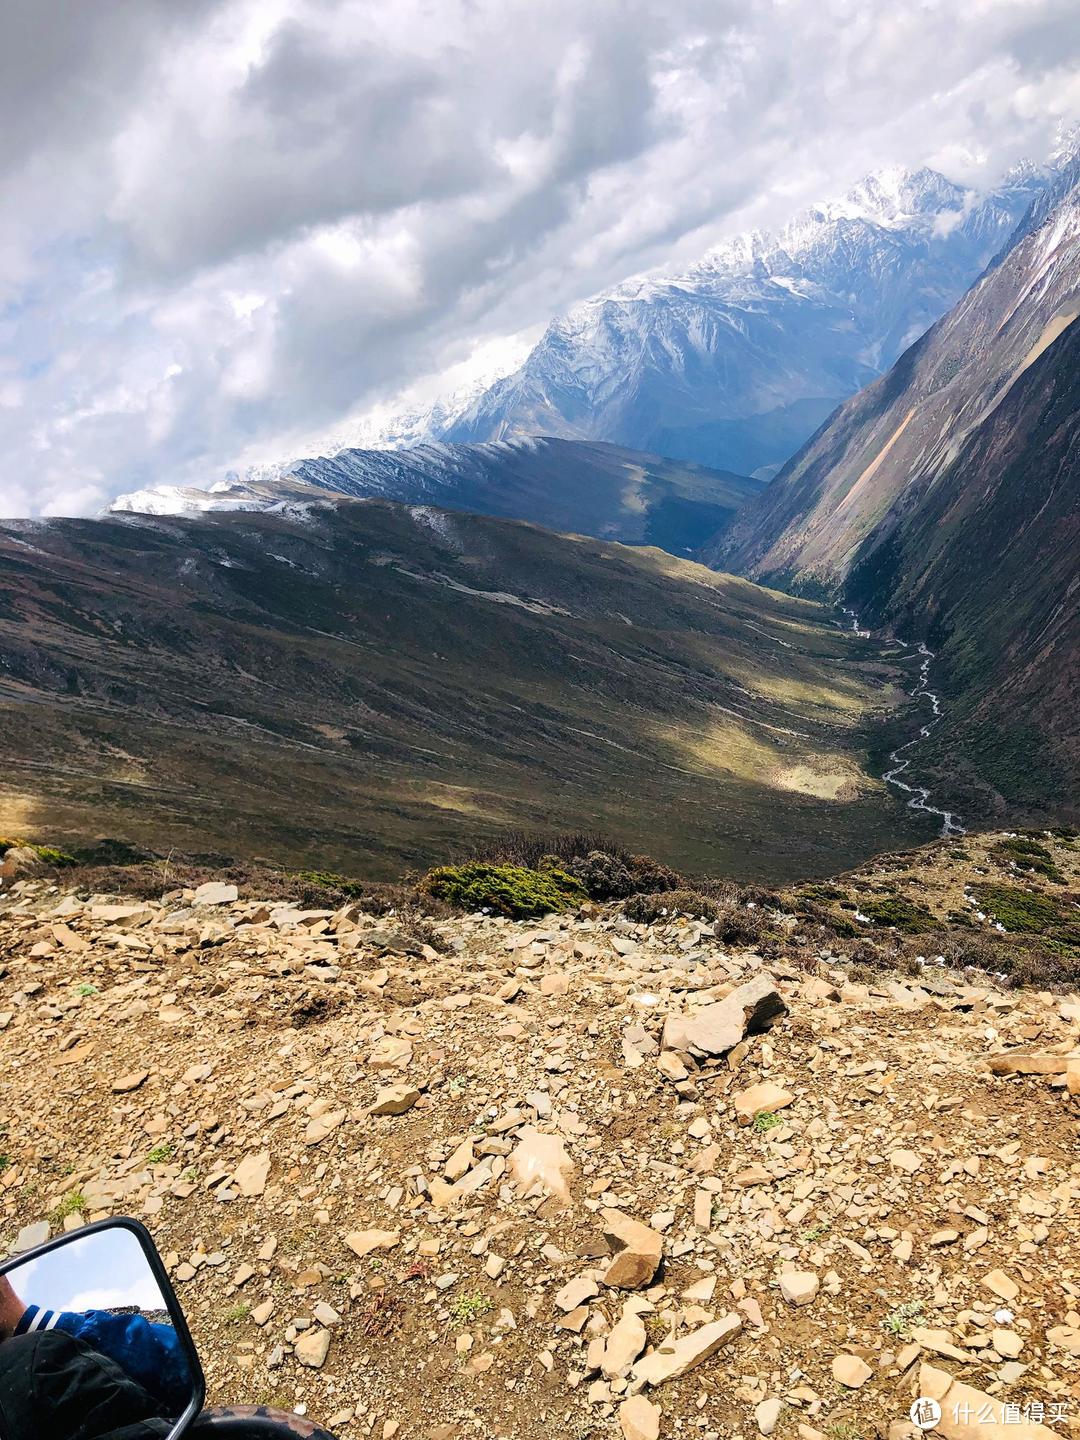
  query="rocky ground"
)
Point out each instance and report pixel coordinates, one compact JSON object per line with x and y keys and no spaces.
{"x":461,"y":1177}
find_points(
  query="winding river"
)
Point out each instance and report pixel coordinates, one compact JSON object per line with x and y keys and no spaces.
{"x":918,"y":795}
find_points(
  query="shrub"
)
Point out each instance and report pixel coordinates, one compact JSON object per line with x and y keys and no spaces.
{"x":736,"y":925}
{"x":666,"y":904}
{"x":1025,"y":912}
{"x":603,"y":876}
{"x":527,"y":848}
{"x":901,"y":914}
{"x":1030,"y":855}
{"x":606,"y":870}
{"x":510,"y":890}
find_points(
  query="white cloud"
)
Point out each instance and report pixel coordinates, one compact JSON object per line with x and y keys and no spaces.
{"x":229,"y":222}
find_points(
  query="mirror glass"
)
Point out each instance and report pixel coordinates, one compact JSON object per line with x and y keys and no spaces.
{"x":89,"y":1343}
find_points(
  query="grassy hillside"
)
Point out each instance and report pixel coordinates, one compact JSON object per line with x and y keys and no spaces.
{"x":381,"y":686}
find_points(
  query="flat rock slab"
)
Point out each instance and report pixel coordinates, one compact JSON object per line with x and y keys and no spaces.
{"x":686,"y":1353}
{"x":970,"y":1414}
{"x":540,"y":1163}
{"x":216,"y":892}
{"x":639,"y":1419}
{"x":762,"y":1099}
{"x":395,"y":1100}
{"x":250,"y":1175}
{"x":363,"y":1242}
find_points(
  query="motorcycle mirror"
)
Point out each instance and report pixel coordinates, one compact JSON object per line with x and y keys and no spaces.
{"x":93,"y":1342}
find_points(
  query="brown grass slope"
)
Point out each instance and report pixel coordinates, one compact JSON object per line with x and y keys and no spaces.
{"x":382,"y":686}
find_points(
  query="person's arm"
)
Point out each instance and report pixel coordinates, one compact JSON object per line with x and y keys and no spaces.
{"x":12,"y":1309}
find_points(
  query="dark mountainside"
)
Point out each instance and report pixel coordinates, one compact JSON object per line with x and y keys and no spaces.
{"x":942,"y":502}
{"x":566,"y":485}
{"x":378,"y":686}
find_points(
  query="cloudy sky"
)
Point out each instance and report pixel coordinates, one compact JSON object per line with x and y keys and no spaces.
{"x":226,"y":224}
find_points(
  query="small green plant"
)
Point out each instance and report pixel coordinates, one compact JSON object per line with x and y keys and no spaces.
{"x":506,"y":890}
{"x":842,"y":1430}
{"x":466,"y":1309}
{"x":72,"y":1204}
{"x":236,"y":1313}
{"x":457,"y":1085}
{"x":899,"y":1321}
{"x":1022,"y":911}
{"x":766,"y":1120}
{"x":5,"y":1162}
{"x":85,"y":990}
{"x":160,"y":1153}
{"x":815,"y":1232}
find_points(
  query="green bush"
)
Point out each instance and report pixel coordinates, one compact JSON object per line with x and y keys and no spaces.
{"x":1025,"y":912}
{"x":606,"y":870}
{"x":52,"y":856}
{"x":1030,"y":855}
{"x":509,"y":890}
{"x":902,"y":914}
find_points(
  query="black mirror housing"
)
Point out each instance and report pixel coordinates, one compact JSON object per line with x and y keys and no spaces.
{"x":90,"y":1323}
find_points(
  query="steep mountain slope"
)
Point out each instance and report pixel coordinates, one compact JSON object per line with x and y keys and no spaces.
{"x":587,"y":489}
{"x":943,"y":500}
{"x":378,"y":684}
{"x":737,"y":361}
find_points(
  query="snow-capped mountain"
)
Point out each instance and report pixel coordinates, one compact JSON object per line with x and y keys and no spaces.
{"x":734,"y":362}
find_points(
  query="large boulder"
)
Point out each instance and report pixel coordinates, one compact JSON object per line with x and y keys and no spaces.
{"x":21,"y":862}
{"x":749,"y":1009}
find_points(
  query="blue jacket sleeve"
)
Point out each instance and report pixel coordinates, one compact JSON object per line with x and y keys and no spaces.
{"x":151,"y":1354}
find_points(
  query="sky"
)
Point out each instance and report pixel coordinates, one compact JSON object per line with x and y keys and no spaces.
{"x":229,"y":225}
{"x":101,"y":1271}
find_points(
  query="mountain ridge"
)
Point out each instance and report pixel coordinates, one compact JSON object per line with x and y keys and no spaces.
{"x":943,"y":501}
{"x":570,"y":486}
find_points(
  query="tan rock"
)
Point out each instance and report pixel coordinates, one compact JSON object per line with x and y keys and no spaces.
{"x":250,"y":1175}
{"x":1065,"y":1337}
{"x":639,"y":1419}
{"x":363,"y":1242}
{"x":1001,"y":1285}
{"x":760,"y":1099}
{"x":540,"y":1164}
{"x":394,"y":1100}
{"x":1014,"y":1064}
{"x":575,"y":1292}
{"x":849,"y":1370}
{"x":215,"y":892}
{"x":767,"y":1413}
{"x":906,"y":1160}
{"x":312,"y":1347}
{"x":799,"y":1287}
{"x":321,"y":1126}
{"x":1008,"y":1344}
{"x":684,"y":1354}
{"x":970,"y":1414}
{"x":718,"y":1028}
{"x":624,"y":1344}
{"x":638,"y":1250}
{"x":124,"y":1084}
